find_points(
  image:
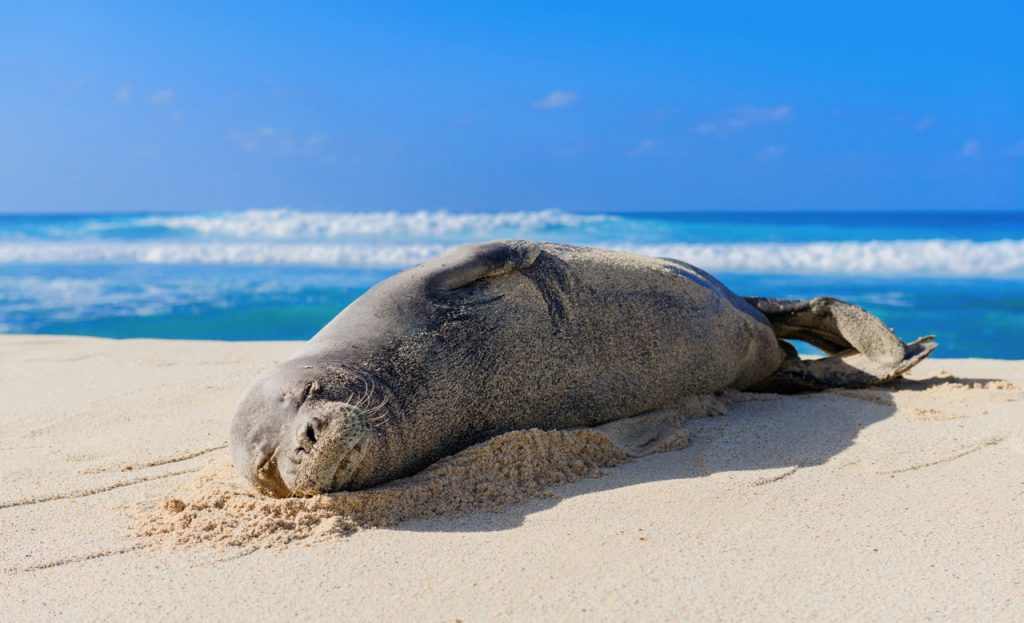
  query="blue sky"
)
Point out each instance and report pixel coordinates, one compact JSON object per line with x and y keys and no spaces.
{"x":479,"y":106}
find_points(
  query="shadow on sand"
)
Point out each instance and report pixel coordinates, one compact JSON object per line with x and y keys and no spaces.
{"x":772,"y":433}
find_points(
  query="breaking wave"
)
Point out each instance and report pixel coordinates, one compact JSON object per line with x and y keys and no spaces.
{"x":284,"y":223}
{"x":900,"y":257}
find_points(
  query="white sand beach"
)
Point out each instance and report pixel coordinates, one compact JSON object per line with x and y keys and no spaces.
{"x":896,"y":503}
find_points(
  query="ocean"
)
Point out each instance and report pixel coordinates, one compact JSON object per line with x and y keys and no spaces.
{"x":282,"y":274}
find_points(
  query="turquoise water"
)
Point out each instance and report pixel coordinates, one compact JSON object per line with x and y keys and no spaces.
{"x":282,"y":274}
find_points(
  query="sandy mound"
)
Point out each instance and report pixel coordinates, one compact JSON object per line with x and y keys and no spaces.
{"x":218,"y":508}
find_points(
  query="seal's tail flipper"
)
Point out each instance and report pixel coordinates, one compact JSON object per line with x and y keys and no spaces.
{"x":862,"y":350}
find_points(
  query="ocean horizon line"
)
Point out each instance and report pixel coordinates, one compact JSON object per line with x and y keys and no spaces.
{"x":581,"y":211}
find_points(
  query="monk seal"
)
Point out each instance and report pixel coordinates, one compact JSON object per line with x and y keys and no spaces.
{"x":507,"y":335}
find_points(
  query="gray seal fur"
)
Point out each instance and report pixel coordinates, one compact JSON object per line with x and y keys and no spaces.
{"x":509,"y":335}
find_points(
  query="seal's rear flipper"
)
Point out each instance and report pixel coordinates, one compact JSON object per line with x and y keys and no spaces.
{"x":833,"y":326}
{"x":863,"y":350}
{"x":848,"y":369}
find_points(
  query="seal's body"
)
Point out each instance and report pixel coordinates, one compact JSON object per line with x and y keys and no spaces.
{"x":513,"y":334}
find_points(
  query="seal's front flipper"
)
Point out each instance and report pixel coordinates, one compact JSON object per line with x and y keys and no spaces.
{"x":647,"y":433}
{"x":464,"y":265}
{"x":864,"y":351}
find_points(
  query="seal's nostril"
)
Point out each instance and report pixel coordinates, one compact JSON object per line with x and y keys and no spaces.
{"x":310,"y":433}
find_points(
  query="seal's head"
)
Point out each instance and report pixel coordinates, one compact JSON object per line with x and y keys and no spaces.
{"x":303,"y":429}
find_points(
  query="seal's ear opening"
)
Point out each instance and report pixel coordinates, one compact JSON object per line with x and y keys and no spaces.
{"x":862,"y":349}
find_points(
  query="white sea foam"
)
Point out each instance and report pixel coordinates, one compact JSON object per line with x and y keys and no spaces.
{"x":896,"y":257}
{"x":241,"y":253}
{"x":284,"y":223}
{"x":907,"y":257}
{"x":72,"y":298}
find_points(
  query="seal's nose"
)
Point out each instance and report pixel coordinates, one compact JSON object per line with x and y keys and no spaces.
{"x":309,"y":430}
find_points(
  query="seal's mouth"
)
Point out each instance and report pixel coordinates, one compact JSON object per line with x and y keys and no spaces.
{"x":348,"y":465}
{"x":325,"y":451}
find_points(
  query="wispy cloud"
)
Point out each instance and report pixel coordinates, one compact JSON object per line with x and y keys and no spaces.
{"x":123,"y":93}
{"x":924,"y":123}
{"x":270,"y":140}
{"x":971,"y":148}
{"x":1017,"y":151}
{"x":253,"y":140}
{"x":556,"y":99}
{"x":314,"y":144}
{"x":659,"y":115}
{"x":573,"y":150}
{"x":743,"y":117}
{"x":162,"y":97}
{"x":772,"y":152}
{"x":279,"y":91}
{"x":645,"y":146}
